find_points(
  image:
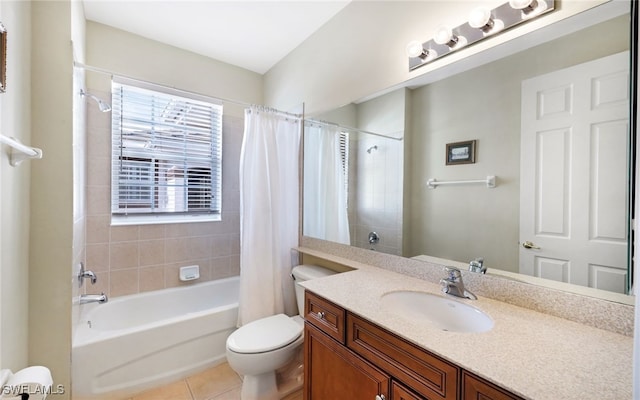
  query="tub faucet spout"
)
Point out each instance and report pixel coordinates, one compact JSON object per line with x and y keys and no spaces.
{"x":93,"y":298}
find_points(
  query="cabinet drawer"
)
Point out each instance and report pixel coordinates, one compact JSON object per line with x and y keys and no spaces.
{"x":476,"y":388}
{"x":423,"y":372}
{"x":325,"y":315}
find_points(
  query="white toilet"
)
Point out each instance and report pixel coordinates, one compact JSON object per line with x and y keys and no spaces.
{"x":257,"y":349}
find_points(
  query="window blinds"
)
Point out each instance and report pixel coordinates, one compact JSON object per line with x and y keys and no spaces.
{"x":166,"y":153}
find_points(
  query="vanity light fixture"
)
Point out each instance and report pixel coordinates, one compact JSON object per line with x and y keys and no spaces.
{"x":482,"y":23}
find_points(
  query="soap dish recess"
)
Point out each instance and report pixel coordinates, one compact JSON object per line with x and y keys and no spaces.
{"x":189,"y":273}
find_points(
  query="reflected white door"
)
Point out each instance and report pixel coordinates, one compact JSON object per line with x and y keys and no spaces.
{"x":573,"y":178}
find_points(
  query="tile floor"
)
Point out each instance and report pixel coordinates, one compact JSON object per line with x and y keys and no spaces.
{"x":217,"y":383}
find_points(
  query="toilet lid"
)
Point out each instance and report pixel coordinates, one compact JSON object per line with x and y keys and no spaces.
{"x":265,"y":334}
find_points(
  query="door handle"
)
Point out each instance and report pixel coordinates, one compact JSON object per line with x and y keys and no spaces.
{"x":530,"y":245}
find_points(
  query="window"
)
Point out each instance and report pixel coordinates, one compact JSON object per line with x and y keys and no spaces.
{"x":166,"y":155}
{"x":343,"y":143}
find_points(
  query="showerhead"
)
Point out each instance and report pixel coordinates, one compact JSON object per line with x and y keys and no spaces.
{"x":375,"y":147}
{"x":104,"y":107}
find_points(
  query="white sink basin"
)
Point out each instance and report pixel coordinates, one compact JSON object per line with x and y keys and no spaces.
{"x":438,"y":310}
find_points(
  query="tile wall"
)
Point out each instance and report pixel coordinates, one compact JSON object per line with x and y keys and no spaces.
{"x":375,"y":195}
{"x":140,"y":258}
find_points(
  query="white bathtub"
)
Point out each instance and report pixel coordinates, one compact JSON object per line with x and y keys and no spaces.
{"x":136,"y":342}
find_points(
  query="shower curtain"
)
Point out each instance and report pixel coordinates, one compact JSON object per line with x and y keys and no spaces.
{"x":269,"y":204}
{"x":325,"y":193}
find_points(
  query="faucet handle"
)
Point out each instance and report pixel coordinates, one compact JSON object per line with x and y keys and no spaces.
{"x":452,"y":272}
{"x":83,"y":274}
{"x":477,"y":265}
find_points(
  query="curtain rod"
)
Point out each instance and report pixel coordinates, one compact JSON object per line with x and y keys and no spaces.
{"x":99,"y":70}
{"x":347,"y":128}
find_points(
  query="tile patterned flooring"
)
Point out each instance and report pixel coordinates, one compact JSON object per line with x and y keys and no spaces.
{"x":217,"y":383}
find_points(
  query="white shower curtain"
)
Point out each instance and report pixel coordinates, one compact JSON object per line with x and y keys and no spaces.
{"x":325,"y":193}
{"x":269,"y":204}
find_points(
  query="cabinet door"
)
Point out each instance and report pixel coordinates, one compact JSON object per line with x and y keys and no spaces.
{"x":331,"y":371}
{"x":474,"y":388}
{"x":399,"y":392}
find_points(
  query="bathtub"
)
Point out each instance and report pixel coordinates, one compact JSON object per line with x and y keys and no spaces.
{"x":133,"y":343}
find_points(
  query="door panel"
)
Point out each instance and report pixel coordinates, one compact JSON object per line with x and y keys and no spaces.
{"x":574,"y":174}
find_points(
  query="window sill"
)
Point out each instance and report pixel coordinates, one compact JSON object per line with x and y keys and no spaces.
{"x":123,"y":220}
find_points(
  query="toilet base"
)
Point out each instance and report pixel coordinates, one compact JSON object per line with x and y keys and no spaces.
{"x":260,"y":387}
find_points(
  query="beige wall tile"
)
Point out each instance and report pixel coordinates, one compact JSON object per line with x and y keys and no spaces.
{"x":220,"y":246}
{"x":98,"y":200}
{"x":152,"y":231}
{"x":176,"y":230}
{"x":98,"y":141}
{"x":127,"y":233}
{"x":123,"y":255}
{"x":98,"y":229}
{"x":219,"y":268}
{"x":199,"y":247}
{"x":200,"y":228}
{"x":123,"y":282}
{"x":176,"y":250}
{"x":152,"y":252}
{"x":151,"y":278}
{"x":234,"y":265}
{"x":99,"y":171}
{"x":97,"y":257}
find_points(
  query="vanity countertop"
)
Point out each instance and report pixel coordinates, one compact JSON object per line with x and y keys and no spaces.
{"x":534,"y":355}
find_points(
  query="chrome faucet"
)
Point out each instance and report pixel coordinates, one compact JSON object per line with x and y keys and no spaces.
{"x":93,"y":298}
{"x":453,"y":285}
{"x":478,"y":266}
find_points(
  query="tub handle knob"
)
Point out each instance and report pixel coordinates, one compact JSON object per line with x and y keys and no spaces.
{"x":321,"y":314}
{"x":84,"y":274}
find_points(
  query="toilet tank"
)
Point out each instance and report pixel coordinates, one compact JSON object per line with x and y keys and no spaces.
{"x":303,"y":273}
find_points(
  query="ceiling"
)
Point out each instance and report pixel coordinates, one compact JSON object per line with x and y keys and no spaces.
{"x":253,"y":35}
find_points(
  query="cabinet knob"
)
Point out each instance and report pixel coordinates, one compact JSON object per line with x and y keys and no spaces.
{"x":380,"y":397}
{"x":321,"y":314}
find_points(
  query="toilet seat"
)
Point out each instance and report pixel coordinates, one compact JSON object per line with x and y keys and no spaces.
{"x":265,"y":334}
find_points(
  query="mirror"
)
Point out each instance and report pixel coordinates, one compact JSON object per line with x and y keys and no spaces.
{"x":397,"y":141}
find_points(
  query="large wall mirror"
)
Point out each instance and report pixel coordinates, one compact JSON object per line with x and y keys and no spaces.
{"x":550,"y":121}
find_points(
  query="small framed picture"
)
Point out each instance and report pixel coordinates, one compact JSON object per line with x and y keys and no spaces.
{"x":461,"y":152}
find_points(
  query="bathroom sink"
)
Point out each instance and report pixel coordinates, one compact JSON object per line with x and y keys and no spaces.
{"x":438,"y":310}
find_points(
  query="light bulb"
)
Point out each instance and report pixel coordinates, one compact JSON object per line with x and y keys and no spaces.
{"x":480,"y":17}
{"x":520,"y":4}
{"x":414,"y":49}
{"x":444,"y":35}
{"x":529,"y":8}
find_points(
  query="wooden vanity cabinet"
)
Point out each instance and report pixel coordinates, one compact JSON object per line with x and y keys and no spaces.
{"x":331,"y":371}
{"x":348,"y":357}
